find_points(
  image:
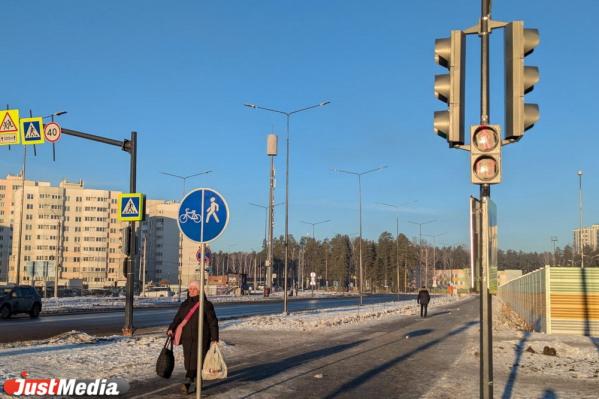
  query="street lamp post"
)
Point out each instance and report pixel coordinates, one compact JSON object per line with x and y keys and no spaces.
{"x":315,"y":224}
{"x":420,"y":251}
{"x":581,"y":243}
{"x":360,"y":174}
{"x":554,"y":240}
{"x":397,"y":208}
{"x":288,"y":116}
{"x":184,"y":178}
{"x":434,"y":236}
{"x":313,"y":238}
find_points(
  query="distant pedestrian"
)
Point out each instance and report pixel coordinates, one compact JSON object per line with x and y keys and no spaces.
{"x":423,"y":299}
{"x":189,"y":332}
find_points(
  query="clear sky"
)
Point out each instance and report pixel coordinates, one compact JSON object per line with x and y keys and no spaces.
{"x":179,"y":72}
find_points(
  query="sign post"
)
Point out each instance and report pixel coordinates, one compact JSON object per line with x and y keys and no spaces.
{"x":203,"y":217}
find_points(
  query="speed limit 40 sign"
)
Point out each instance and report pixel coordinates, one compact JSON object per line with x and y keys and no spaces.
{"x":52,"y":132}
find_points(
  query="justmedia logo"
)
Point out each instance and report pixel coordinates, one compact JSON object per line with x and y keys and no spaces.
{"x":70,"y":387}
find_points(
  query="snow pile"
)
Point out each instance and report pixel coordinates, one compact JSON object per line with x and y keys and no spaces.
{"x":348,"y":315}
{"x":79,"y":355}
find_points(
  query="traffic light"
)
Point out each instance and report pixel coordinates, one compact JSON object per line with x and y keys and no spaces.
{"x":519,"y":79}
{"x":451,"y":53}
{"x":485,"y":154}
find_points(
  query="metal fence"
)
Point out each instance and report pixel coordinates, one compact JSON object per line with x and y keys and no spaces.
{"x":560,"y":300}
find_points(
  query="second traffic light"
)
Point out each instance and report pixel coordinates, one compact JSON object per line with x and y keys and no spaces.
{"x":519,"y":79}
{"x":485,"y":154}
{"x":451,"y":53}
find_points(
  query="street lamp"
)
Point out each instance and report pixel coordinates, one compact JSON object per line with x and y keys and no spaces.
{"x":20,"y":239}
{"x":360,"y":174}
{"x":184,"y":178}
{"x":314,"y":224}
{"x":581,"y":243}
{"x":266,"y":211}
{"x":420,"y":251}
{"x":434,"y":236}
{"x":397,"y":208}
{"x":288,"y":116}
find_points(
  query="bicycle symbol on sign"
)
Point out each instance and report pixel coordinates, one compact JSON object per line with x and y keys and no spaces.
{"x":190,"y":215}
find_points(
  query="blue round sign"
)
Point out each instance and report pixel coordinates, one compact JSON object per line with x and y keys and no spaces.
{"x":203,"y":215}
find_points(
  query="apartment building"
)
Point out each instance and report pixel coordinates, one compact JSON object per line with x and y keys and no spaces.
{"x":69,"y":226}
{"x":162,"y":250}
{"x":77,"y":228}
{"x":589,"y":237}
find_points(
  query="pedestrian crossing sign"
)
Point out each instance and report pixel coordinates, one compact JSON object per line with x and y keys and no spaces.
{"x":32,"y":131}
{"x":9,"y":127}
{"x":131,"y":207}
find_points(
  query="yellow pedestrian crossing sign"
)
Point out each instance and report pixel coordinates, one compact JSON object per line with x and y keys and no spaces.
{"x":131,"y":207}
{"x":32,"y":131}
{"x":9,"y":127}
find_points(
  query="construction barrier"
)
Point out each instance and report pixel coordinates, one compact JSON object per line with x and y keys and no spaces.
{"x":556,"y":300}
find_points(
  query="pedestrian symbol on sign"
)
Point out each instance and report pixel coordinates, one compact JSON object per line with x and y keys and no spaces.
{"x":31,"y":133}
{"x":212,"y":210}
{"x":130,"y":208}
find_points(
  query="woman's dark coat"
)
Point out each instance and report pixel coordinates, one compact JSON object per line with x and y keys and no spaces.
{"x":189,"y":337}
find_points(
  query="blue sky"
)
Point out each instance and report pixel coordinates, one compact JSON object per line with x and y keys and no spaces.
{"x":179,"y":72}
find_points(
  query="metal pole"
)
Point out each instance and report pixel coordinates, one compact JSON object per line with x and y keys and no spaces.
{"x":271,"y":206}
{"x":58,"y":249}
{"x":580,"y":213}
{"x":201,"y":317}
{"x":286,"y":219}
{"x":143,"y":275}
{"x":128,"y":328}
{"x":397,"y":254}
{"x":21,"y":216}
{"x":486,"y":306}
{"x":360,"y":244}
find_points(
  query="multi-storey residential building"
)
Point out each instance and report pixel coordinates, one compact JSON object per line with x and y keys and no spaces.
{"x":69,"y":226}
{"x":76,"y":228}
{"x":590,"y":237}
{"x":163,"y":252}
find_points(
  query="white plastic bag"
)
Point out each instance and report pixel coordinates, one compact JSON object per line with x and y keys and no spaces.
{"x":215,"y":367}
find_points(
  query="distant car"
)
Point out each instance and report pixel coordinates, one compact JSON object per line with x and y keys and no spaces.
{"x":19,"y":299}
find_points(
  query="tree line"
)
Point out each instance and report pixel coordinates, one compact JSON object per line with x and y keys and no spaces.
{"x":388,"y":263}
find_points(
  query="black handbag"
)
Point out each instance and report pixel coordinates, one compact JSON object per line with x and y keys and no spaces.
{"x":166,"y":360}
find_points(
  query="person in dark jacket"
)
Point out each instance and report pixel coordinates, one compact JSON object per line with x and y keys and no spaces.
{"x":423,"y":299}
{"x":189,"y":336}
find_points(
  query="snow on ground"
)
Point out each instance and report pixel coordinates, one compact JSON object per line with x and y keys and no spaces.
{"x":83,"y":303}
{"x":521,"y":369}
{"x":347,"y":315}
{"x":79,"y":355}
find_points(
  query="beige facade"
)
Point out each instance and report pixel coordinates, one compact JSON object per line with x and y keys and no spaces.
{"x":590,"y":237}
{"x":77,"y":228}
{"x":160,"y":253}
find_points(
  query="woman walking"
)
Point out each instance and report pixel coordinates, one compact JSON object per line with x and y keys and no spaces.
{"x":186,"y":320}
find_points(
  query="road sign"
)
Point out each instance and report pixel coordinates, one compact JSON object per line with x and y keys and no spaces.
{"x":203,"y":215}
{"x":312,"y":279}
{"x":9,"y":127}
{"x":207,"y":255}
{"x":131,"y":207}
{"x":32,"y":130}
{"x":52,"y":131}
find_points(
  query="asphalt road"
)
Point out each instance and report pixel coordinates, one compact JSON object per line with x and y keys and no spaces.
{"x":22,"y":328}
{"x":395,"y":359}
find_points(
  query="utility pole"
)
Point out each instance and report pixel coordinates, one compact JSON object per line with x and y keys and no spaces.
{"x":580,"y":211}
{"x":554,"y":240}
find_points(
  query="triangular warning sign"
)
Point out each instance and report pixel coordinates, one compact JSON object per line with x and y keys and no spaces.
{"x":8,"y":125}
{"x":130,"y":208}
{"x":32,"y":133}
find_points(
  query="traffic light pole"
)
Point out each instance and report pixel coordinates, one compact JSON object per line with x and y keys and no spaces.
{"x":129,"y":146}
{"x":486,"y":304}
